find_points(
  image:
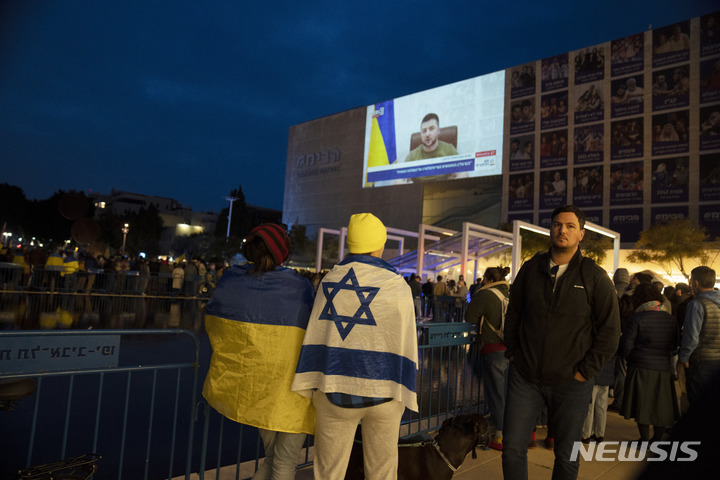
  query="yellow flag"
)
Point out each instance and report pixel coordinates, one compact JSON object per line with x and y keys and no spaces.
{"x":377,"y":154}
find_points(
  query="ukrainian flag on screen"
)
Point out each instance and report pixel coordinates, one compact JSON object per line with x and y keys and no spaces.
{"x":382,"y":135}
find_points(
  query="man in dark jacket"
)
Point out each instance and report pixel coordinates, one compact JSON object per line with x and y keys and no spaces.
{"x":561,"y":327}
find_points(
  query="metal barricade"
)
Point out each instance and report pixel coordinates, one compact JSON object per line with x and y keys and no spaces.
{"x":446,"y":387}
{"x":127,"y":395}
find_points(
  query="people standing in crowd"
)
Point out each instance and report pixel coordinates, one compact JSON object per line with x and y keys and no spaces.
{"x":558,"y":337}
{"x":416,"y":290}
{"x":648,"y":340}
{"x":178,"y":277}
{"x":427,"y":292}
{"x":596,"y":419}
{"x":461,"y":290}
{"x":626,"y":310}
{"x":700,"y":345}
{"x":359,"y":356}
{"x":440,"y":287}
{"x":683,"y":297}
{"x":256,"y":320}
{"x":487,"y":310}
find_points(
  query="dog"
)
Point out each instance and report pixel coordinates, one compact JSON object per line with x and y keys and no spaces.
{"x":437,"y":459}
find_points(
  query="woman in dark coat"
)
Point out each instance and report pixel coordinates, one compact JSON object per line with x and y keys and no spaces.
{"x":647,"y":342}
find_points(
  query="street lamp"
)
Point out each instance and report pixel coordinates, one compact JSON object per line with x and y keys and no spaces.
{"x":125,"y":230}
{"x":231,"y":200}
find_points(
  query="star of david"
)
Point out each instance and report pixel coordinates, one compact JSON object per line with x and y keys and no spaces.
{"x":363,"y":315}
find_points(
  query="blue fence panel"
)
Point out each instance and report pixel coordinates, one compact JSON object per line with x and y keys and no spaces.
{"x":127,"y":395}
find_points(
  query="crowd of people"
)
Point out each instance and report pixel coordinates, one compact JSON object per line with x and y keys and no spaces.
{"x":297,"y":353}
{"x":77,"y":271}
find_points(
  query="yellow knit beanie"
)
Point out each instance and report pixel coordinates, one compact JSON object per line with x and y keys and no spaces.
{"x":366,"y":233}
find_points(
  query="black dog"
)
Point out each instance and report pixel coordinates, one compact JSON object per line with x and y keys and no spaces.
{"x":433,"y":460}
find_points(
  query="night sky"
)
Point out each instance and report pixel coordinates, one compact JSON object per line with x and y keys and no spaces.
{"x":189,"y":99}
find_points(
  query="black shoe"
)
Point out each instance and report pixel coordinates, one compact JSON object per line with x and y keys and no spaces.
{"x":597,"y":439}
{"x":586,"y":440}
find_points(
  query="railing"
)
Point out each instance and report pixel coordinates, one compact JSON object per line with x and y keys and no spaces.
{"x":49,"y":299}
{"x":126,"y":395}
{"x":446,"y":387}
{"x":136,"y":400}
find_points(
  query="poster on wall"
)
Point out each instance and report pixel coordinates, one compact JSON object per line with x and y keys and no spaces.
{"x":710,"y":34}
{"x":627,"y":55}
{"x":710,"y":80}
{"x":588,"y":186}
{"x":554,"y":72}
{"x":710,"y":219}
{"x":522,"y":116}
{"x":710,"y":127}
{"x":522,"y":81}
{"x":627,"y":96}
{"x":526,"y":217}
{"x":670,"y":133}
{"x":553,"y":149}
{"x":668,"y":214}
{"x":554,"y":110}
{"x":521,"y":191}
{"x":671,"y":88}
{"x":626,"y":183}
{"x":671,"y":44}
{"x":553,"y":188}
{"x":710,"y":178}
{"x":449,"y":132}
{"x":594,"y":216}
{"x":589,"y":64}
{"x":589,"y":103}
{"x":628,"y":222}
{"x":626,"y":139}
{"x":670,"y":178}
{"x":522,"y":153}
{"x":589,"y":144}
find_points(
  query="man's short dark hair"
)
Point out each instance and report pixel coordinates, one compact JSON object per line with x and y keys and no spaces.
{"x":682,"y":288}
{"x":430,"y":116}
{"x":705,"y":276}
{"x":572,"y":209}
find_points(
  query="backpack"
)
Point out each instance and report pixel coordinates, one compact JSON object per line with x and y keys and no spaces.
{"x":504,"y":301}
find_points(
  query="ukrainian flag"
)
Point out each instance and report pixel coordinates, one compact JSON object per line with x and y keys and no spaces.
{"x":256,"y":324}
{"x":382,"y":149}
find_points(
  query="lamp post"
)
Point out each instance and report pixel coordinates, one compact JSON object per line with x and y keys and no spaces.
{"x":125,"y":230}
{"x":231,"y":200}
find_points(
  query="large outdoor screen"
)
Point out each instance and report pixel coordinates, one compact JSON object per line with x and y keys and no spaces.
{"x":449,"y":132}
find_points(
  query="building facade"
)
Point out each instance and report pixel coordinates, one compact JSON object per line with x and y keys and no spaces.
{"x":629,"y":130}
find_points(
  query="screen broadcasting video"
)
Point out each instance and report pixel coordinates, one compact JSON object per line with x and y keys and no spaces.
{"x":446,"y":133}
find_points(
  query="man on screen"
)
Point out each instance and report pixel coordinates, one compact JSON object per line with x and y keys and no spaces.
{"x":431,"y":146}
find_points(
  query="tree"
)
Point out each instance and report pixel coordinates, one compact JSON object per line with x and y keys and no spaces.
{"x":532,"y":242}
{"x":673,"y":244}
{"x":595,"y":246}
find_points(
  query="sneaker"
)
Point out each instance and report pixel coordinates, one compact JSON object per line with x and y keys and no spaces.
{"x":532,"y":443}
{"x":598,"y":439}
{"x":549,"y":443}
{"x":496,"y":444}
{"x":586,"y":440}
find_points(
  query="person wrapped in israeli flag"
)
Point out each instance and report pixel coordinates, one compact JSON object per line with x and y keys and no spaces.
{"x":358,"y":361}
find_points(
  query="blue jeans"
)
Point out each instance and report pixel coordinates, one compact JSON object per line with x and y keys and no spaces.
{"x":698,"y":378}
{"x":494,"y":367}
{"x":567,"y":407}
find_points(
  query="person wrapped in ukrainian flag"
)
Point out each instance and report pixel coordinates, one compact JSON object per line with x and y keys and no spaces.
{"x":256,"y":321}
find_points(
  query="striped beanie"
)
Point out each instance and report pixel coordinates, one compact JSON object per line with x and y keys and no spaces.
{"x":275,"y":239}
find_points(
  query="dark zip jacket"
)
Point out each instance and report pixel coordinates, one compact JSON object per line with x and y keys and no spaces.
{"x":552,"y":335}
